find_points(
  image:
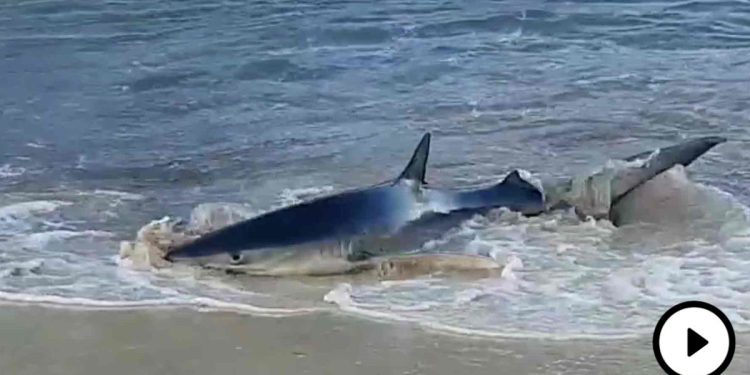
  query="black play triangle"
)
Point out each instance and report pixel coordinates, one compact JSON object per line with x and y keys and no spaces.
{"x":695,"y":342}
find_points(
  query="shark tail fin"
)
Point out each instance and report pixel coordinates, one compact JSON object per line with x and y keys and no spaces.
{"x":417,"y":166}
{"x":682,"y":153}
{"x":661,"y":160}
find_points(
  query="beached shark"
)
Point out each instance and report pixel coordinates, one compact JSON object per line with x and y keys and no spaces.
{"x":341,"y":233}
{"x":336,"y":233}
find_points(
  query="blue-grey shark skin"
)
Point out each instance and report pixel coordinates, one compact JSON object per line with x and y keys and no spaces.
{"x":639,"y":169}
{"x":350,"y":226}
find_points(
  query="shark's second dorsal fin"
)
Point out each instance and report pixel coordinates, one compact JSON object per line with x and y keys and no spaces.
{"x":517,"y":181}
{"x":514,"y":178}
{"x":417,"y":166}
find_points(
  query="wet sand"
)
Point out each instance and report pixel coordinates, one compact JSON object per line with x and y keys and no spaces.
{"x":39,"y":341}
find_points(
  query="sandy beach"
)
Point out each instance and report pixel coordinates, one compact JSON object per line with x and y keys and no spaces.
{"x":39,"y":341}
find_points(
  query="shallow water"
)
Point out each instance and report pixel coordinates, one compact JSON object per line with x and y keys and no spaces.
{"x":117,"y":113}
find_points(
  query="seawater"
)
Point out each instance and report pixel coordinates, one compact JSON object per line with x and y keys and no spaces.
{"x":114,"y":114}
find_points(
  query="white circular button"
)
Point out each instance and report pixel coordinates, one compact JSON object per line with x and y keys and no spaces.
{"x":694,"y":338}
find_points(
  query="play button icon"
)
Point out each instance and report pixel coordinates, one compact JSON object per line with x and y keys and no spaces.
{"x":695,"y":342}
{"x":694,"y":338}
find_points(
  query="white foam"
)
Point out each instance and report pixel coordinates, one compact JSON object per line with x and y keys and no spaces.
{"x":40,"y":240}
{"x":84,"y":303}
{"x":118,"y":194}
{"x":25,"y":209}
{"x":624,"y":285}
{"x":512,"y":263}
{"x":293,"y":196}
{"x":198,"y":303}
{"x":470,"y":295}
{"x":211,"y":216}
{"x":48,"y":260}
{"x":342,"y":297}
{"x":404,"y":283}
{"x":183,"y":301}
{"x":19,"y":217}
{"x":210,"y":304}
{"x":7,"y":170}
{"x":35,"y":145}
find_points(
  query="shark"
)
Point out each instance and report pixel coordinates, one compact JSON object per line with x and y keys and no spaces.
{"x":339,"y":233}
{"x":354,"y":230}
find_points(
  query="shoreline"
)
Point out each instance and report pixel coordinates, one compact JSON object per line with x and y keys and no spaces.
{"x":339,"y":312}
{"x":38,"y":340}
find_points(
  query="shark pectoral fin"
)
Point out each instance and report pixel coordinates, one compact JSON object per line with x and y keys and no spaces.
{"x":417,"y":166}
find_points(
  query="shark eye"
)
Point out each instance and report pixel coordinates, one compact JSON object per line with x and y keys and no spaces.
{"x":235,"y":258}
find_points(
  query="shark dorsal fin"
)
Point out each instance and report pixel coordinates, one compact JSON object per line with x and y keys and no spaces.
{"x":417,"y":166}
